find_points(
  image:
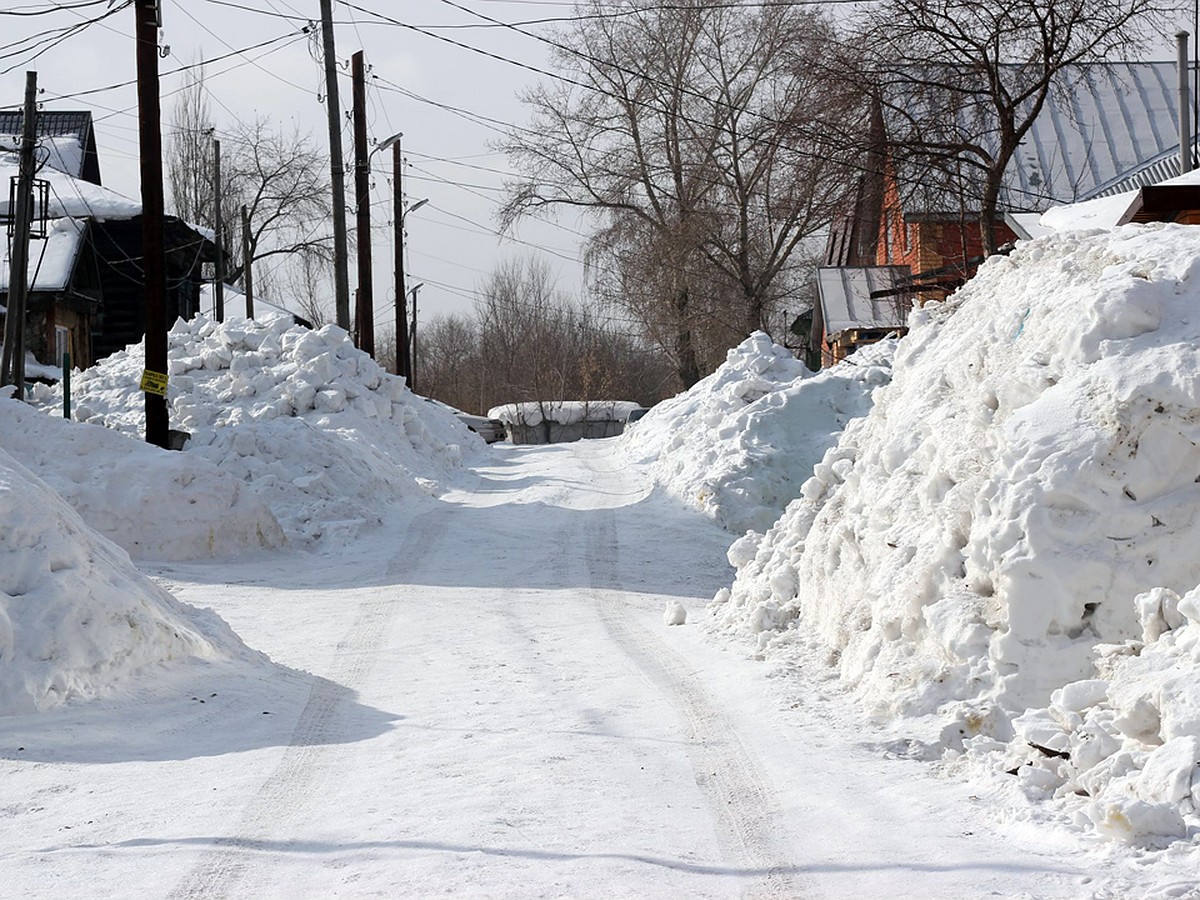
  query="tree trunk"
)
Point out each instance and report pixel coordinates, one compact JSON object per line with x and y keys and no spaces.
{"x":687,"y":367}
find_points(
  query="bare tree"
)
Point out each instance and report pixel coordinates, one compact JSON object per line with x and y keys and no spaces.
{"x":279,"y":175}
{"x":526,"y":341}
{"x":189,"y":152}
{"x":690,"y":127}
{"x":962,"y":81}
{"x":283,"y":181}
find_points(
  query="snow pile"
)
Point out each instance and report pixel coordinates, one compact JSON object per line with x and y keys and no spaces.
{"x":562,"y":412}
{"x":325,"y":436}
{"x":1123,"y":750}
{"x":153,"y":503}
{"x":1031,"y":468}
{"x":75,"y":615}
{"x":738,"y":444}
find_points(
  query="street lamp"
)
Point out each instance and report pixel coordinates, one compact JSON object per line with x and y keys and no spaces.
{"x":364,"y":307}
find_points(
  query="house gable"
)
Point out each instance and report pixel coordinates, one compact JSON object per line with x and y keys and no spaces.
{"x":67,"y":138}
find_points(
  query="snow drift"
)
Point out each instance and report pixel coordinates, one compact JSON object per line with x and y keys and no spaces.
{"x":738,"y":444}
{"x":152,"y":503}
{"x":1030,"y":470}
{"x":75,"y":615}
{"x":317,"y":428}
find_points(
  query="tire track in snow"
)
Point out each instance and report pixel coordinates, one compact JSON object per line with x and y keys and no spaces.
{"x":738,"y":795}
{"x":312,"y":747}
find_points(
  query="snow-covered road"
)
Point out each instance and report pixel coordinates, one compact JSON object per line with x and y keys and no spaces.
{"x":495,"y":709}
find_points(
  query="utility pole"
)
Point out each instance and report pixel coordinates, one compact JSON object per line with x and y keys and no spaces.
{"x":247,"y":265}
{"x":364,"y":312}
{"x":403,"y":363}
{"x":412,"y":368}
{"x":341,"y":273}
{"x":154,"y":378}
{"x":1184,"y":101}
{"x":12,"y":366}
{"x":219,"y":282}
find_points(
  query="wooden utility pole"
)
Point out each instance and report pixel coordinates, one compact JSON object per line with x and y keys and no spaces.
{"x":412,"y":366}
{"x":364,"y":313}
{"x":1184,"y":103}
{"x":219,"y":227}
{"x":12,"y":366}
{"x":154,"y":378}
{"x":247,"y":264}
{"x":337,"y":172}
{"x":403,"y":361}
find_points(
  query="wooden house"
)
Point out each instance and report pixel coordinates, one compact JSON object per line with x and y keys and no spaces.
{"x":910,"y":234}
{"x":87,"y":285}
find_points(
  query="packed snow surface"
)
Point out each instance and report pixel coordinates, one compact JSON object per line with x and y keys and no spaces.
{"x":75,"y":615}
{"x":738,"y":444}
{"x":314,"y":426}
{"x":1030,"y":470}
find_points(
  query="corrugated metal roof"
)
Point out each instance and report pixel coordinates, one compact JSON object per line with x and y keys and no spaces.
{"x":62,"y":124}
{"x":1102,"y":125}
{"x":846,"y":301}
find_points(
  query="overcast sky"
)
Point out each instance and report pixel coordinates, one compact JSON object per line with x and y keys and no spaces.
{"x":451,"y":242}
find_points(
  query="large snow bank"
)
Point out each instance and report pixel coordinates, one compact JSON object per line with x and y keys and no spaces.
{"x":153,"y":503}
{"x":1123,"y":749}
{"x":316,"y":427}
{"x":1031,"y":469}
{"x":75,"y":615}
{"x":738,"y":444}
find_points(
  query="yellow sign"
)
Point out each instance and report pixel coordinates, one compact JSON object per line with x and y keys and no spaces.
{"x":154,"y":382}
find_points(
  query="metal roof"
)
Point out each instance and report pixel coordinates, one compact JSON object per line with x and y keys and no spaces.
{"x":1102,"y":125}
{"x":846,"y":301}
{"x":75,"y":124}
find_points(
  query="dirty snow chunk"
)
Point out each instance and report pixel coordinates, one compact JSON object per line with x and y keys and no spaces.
{"x":308,"y":423}
{"x":153,"y":503}
{"x":1125,"y":748}
{"x":675,"y":613}
{"x":76,"y":617}
{"x":1029,"y":469}
{"x":741,"y":443}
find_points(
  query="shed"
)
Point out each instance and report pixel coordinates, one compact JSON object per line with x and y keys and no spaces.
{"x":562,"y":421}
{"x":858,"y":305}
{"x":1165,"y":203}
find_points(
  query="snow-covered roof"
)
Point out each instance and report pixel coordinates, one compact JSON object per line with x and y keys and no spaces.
{"x":70,"y":196}
{"x":1101,"y":212}
{"x":51,"y":259}
{"x":846,"y":302}
{"x":66,"y":141}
